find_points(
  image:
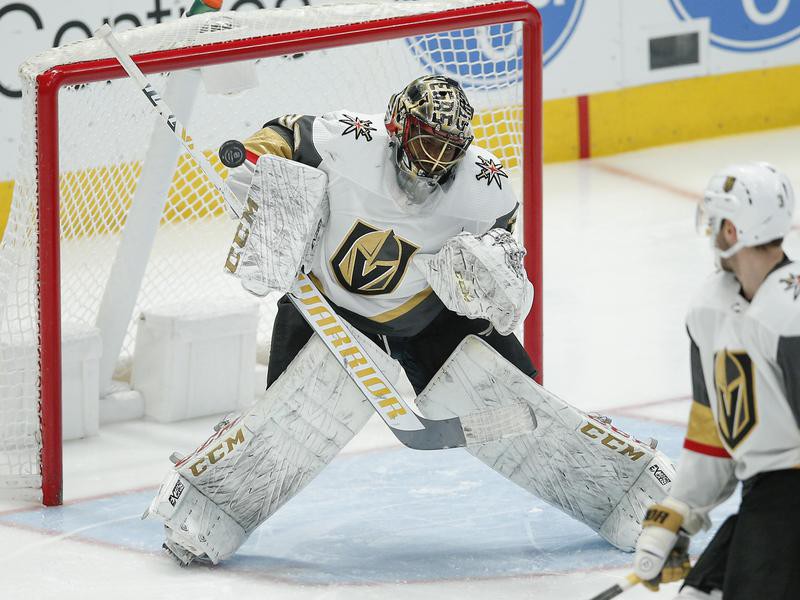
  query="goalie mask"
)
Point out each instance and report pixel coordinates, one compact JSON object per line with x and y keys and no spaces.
{"x":755,"y":197}
{"x":429,"y":126}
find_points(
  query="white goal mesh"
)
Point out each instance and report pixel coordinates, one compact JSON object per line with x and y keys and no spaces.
{"x":105,"y":132}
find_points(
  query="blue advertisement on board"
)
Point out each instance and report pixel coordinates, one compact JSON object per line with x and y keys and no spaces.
{"x":490,"y":56}
{"x":745,"y":25}
{"x":559,"y":20}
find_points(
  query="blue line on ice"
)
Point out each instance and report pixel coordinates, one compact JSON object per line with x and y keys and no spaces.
{"x":390,"y":516}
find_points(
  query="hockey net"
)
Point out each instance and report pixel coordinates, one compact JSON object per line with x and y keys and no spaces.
{"x":87,"y":157}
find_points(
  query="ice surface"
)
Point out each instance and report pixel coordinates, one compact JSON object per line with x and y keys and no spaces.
{"x":387,"y":516}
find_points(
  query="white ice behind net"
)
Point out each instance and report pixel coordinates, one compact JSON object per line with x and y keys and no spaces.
{"x":105,"y":129}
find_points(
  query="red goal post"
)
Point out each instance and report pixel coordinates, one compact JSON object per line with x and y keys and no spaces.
{"x":49,"y":183}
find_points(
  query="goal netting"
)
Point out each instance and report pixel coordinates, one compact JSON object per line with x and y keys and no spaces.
{"x":79,"y":254}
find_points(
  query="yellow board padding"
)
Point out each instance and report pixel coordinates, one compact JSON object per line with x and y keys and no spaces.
{"x":560,"y":130}
{"x":680,"y":111}
{"x":192,"y":196}
{"x":95,"y":201}
{"x":6,"y":190}
{"x":500,"y":131}
{"x":620,"y":121}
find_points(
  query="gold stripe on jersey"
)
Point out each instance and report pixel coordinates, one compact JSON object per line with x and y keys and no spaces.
{"x":736,"y":402}
{"x":404,"y":308}
{"x":389,"y":317}
{"x":268,"y":141}
{"x":703,"y":427}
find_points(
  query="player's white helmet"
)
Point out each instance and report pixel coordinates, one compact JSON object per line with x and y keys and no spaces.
{"x":429,"y":125}
{"x":755,"y":197}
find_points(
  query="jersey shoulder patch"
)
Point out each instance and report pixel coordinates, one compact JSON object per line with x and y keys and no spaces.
{"x":350,"y":142}
{"x":787,"y":279}
{"x":485,"y":200}
{"x":488,"y":169}
{"x":357,"y":126}
{"x":353,"y":126}
{"x":777,"y":303}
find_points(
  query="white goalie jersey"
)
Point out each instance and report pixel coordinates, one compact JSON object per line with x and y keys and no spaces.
{"x":362,"y":261}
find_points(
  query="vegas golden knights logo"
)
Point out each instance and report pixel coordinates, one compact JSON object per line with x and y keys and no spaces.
{"x":371,"y":261}
{"x":736,"y":400}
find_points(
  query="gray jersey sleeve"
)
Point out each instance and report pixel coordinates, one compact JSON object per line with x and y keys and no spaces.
{"x":507,"y":221}
{"x":789,"y":361}
{"x":705,"y":476}
{"x":699,"y":390}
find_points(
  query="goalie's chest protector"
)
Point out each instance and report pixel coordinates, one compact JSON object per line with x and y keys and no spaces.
{"x":750,"y":353}
{"x":364,"y":259}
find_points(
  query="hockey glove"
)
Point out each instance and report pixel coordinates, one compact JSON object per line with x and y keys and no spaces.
{"x":662,"y":549}
{"x":481,"y":277}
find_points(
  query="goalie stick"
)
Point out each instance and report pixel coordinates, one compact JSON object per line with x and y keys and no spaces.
{"x":408,"y":427}
{"x":411,"y":429}
{"x":158,"y":104}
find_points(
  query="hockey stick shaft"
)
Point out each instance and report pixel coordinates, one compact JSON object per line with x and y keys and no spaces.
{"x":162,"y":108}
{"x":615,"y":590}
{"x":411,"y":429}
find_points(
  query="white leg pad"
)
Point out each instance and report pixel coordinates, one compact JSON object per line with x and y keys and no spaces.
{"x":593,"y":472}
{"x":260,"y":459}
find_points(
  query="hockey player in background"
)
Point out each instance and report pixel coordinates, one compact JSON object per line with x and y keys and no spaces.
{"x":744,"y":425}
{"x":405,"y":227}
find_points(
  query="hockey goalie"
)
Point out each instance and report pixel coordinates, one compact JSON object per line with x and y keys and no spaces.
{"x":405,"y":226}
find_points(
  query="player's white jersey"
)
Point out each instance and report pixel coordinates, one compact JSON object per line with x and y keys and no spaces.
{"x":749,"y":354}
{"x":363,"y":261}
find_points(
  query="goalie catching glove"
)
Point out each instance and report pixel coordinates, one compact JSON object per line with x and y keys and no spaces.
{"x":481,"y":277}
{"x":662,"y":551}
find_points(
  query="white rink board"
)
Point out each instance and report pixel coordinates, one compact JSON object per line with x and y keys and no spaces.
{"x":589,"y":46}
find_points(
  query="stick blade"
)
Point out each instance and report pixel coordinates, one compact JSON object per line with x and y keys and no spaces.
{"x":491,"y":425}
